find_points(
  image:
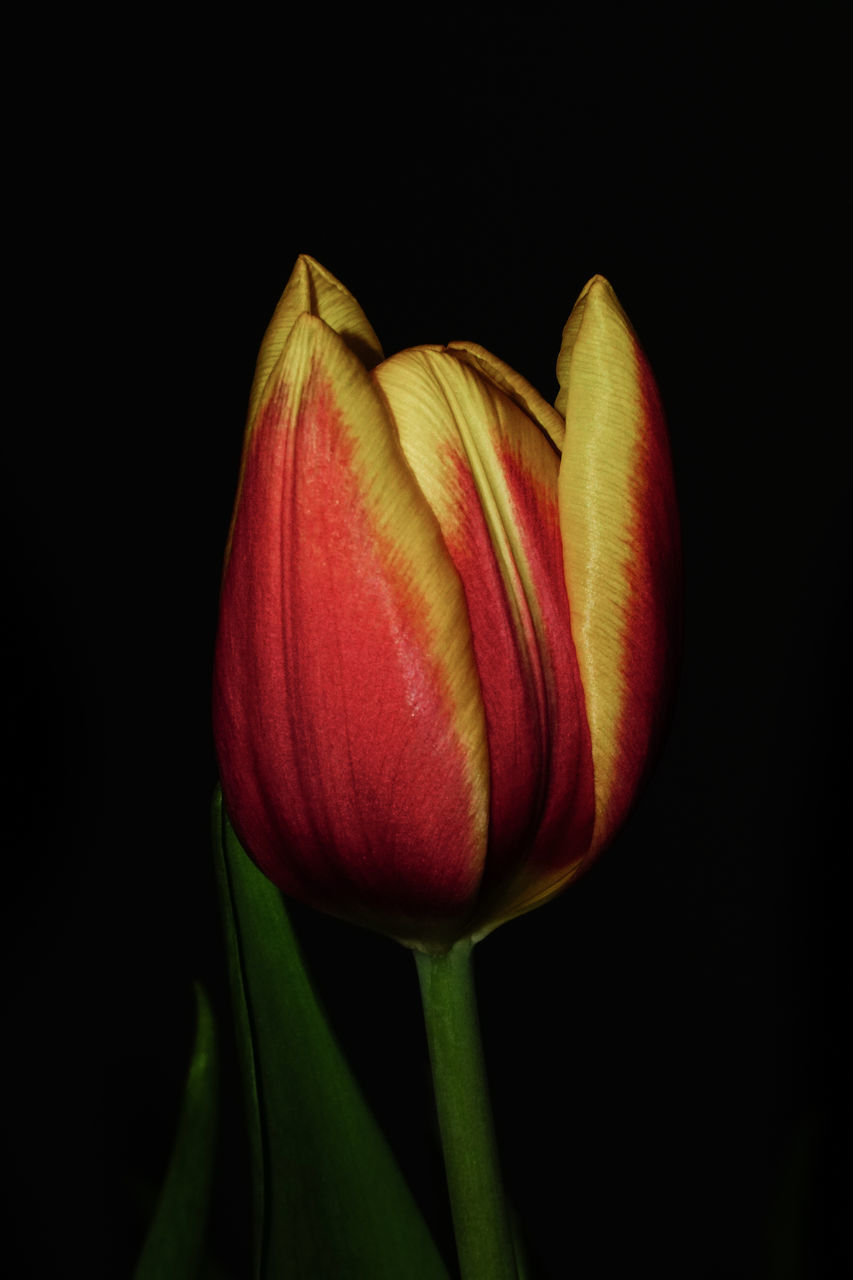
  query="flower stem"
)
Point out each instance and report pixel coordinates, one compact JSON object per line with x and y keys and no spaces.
{"x":480,"y":1218}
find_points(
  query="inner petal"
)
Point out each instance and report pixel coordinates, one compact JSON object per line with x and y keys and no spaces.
{"x":490,"y":476}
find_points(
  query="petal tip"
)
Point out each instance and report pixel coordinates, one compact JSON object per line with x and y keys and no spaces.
{"x":599,"y":292}
{"x":310,"y":269}
{"x":596,"y":284}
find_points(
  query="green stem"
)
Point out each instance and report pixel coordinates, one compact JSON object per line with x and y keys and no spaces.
{"x":480,"y":1218}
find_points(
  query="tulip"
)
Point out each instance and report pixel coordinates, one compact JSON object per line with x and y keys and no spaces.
{"x":449,"y":615}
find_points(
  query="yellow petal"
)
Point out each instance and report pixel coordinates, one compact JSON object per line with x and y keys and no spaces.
{"x":621,"y":545}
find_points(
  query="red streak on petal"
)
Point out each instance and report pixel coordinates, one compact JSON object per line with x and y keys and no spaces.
{"x":568,"y":812}
{"x":508,"y":681}
{"x":652,"y":634}
{"x":341,"y":767}
{"x":541,"y":796}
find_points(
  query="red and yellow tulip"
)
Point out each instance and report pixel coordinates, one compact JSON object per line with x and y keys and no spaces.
{"x":448,"y":615}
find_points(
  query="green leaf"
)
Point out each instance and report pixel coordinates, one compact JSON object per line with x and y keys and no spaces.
{"x":328,"y":1197}
{"x":174,"y":1245}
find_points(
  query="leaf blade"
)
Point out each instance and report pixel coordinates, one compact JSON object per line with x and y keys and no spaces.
{"x":174,"y":1244}
{"x":329,"y":1198}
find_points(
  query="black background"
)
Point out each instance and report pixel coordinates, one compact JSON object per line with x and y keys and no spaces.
{"x":664,"y":1041}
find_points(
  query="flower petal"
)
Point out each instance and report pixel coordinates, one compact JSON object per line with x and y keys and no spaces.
{"x":313,"y":290}
{"x":344,"y":648}
{"x":513,"y":385}
{"x":620,"y":542}
{"x":490,"y":476}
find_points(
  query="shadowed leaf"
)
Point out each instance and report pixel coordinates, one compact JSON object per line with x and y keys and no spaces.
{"x":174,"y":1245}
{"x":328,"y":1197}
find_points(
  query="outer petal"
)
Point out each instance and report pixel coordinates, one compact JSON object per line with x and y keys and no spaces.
{"x":620,"y":542}
{"x":490,"y":475}
{"x":314,"y":290}
{"x":348,"y":716}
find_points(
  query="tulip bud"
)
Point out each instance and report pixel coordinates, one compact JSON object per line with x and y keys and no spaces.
{"x":448,"y":615}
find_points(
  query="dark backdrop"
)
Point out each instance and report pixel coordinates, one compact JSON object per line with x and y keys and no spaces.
{"x":664,"y":1039}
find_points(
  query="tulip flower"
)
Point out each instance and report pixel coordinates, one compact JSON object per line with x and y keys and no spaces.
{"x":445,"y":649}
{"x":448,"y":617}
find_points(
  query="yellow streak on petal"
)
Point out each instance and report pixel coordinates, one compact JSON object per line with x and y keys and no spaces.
{"x":527,"y":895}
{"x":314,"y":291}
{"x":600,"y":395}
{"x":515,"y":386}
{"x":443,"y":408}
{"x":311,"y":290}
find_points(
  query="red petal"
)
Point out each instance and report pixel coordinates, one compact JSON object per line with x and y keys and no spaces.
{"x":348,"y":716}
{"x":491,"y":476}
